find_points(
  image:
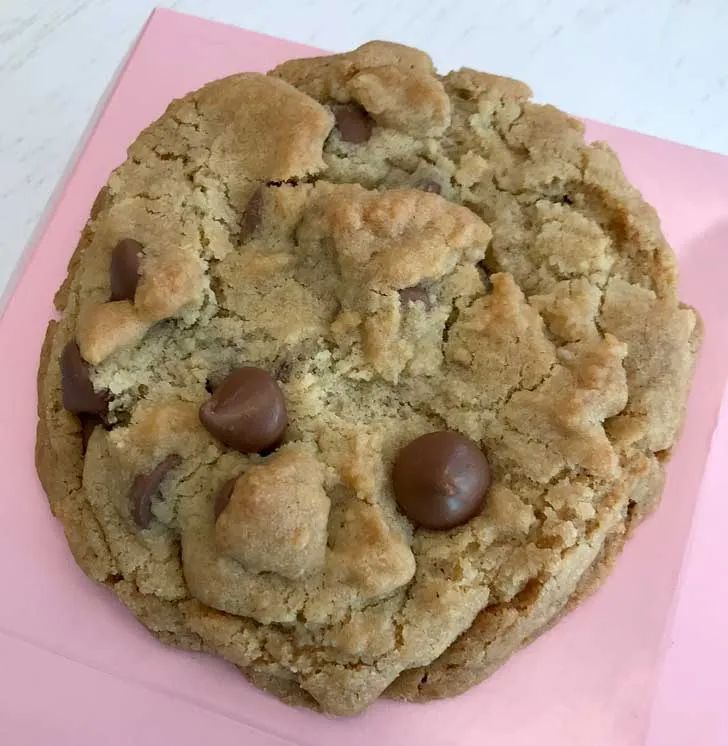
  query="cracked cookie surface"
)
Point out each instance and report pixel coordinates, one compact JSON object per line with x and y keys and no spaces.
{"x":403,"y":253}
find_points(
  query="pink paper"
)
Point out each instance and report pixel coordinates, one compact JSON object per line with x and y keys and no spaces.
{"x":690,"y":704}
{"x":73,"y":657}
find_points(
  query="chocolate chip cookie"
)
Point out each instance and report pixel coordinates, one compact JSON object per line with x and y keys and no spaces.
{"x":363,"y":375}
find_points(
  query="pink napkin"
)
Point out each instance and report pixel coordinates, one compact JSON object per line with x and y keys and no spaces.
{"x":76,"y":668}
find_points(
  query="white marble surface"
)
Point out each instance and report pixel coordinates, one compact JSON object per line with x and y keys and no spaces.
{"x":657,"y":66}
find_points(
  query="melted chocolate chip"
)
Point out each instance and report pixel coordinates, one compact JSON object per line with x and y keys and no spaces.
{"x":440,"y":480}
{"x":222,"y":496}
{"x":145,"y":487}
{"x":429,"y":185}
{"x":247,"y":411}
{"x":414,"y":294}
{"x":252,"y":215}
{"x":79,"y":396}
{"x":125,"y":259}
{"x":353,"y":123}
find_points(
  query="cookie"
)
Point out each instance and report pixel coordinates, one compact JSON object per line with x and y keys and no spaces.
{"x":363,"y":375}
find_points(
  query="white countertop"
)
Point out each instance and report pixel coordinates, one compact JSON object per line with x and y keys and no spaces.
{"x":656,"y":66}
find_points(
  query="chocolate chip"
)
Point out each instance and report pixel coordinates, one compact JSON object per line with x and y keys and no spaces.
{"x":440,"y":480}
{"x":429,"y":185}
{"x":247,"y":411}
{"x":353,"y":123}
{"x":222,"y":496}
{"x":125,"y":269}
{"x":252,"y":214}
{"x":414,"y":294}
{"x":78,"y":391}
{"x":145,"y":487}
